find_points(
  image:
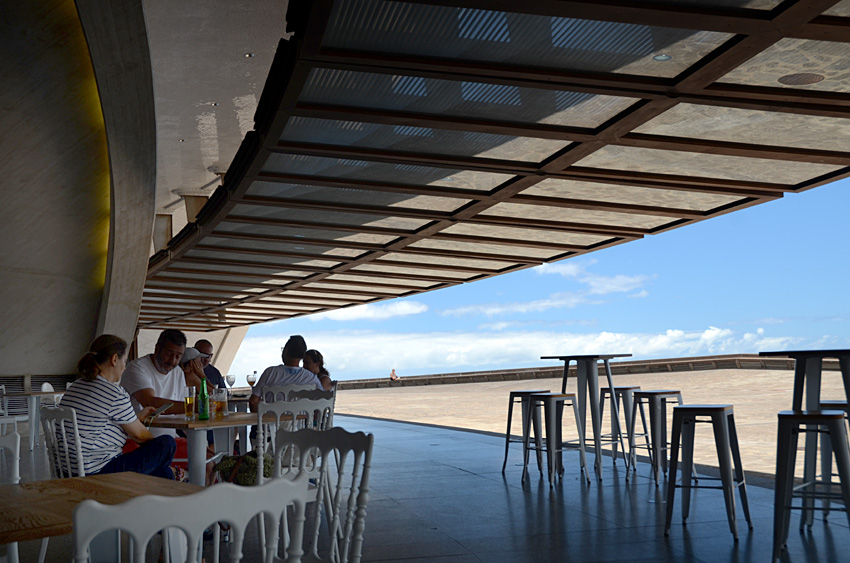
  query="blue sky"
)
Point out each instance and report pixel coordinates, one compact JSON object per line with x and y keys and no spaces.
{"x":770,"y":277}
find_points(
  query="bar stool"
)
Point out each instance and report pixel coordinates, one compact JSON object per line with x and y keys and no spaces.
{"x":622,"y":395}
{"x":722,"y":417}
{"x":522,"y":398}
{"x":656,"y":436}
{"x":826,"y":454}
{"x":791,"y":423}
{"x":553,"y":414}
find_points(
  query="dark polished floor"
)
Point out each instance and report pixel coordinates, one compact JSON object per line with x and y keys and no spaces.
{"x":439,"y":495}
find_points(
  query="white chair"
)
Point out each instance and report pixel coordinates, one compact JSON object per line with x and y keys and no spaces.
{"x":5,"y":417}
{"x":63,"y":447}
{"x":51,"y":399}
{"x":62,"y":442}
{"x":274,"y":393}
{"x":300,"y":413}
{"x":143,"y":517}
{"x":341,"y":461}
{"x":10,"y":446}
{"x":316,"y":394}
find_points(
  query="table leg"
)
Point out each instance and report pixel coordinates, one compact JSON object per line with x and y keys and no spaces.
{"x":566,"y":374}
{"x":844,"y":364}
{"x":34,"y":405}
{"x":799,"y":384}
{"x":591,"y":373}
{"x":813,"y":367}
{"x":197,"y":450}
{"x":615,"y":415}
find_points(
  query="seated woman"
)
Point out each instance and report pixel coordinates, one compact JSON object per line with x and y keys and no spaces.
{"x":105,"y":416}
{"x":313,"y":361}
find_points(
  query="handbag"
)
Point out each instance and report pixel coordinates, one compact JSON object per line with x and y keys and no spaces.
{"x":242,"y":469}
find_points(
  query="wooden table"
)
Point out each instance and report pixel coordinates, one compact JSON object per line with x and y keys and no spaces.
{"x":34,"y":408}
{"x":808,"y":365}
{"x":43,"y":509}
{"x":588,"y":381}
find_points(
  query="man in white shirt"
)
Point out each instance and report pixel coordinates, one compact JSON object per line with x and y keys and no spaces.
{"x":157,"y":379}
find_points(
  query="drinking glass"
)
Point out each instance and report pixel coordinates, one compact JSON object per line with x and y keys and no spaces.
{"x":252,"y":379}
{"x":189,"y":402}
{"x":218,"y":403}
{"x":230,"y":380}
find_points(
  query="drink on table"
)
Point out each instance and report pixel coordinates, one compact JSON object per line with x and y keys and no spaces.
{"x":218,"y":403}
{"x":203,"y":401}
{"x":230,"y":380}
{"x":252,"y":379}
{"x":189,"y":402}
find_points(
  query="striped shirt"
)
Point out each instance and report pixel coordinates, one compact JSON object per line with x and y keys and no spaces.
{"x":102,"y":408}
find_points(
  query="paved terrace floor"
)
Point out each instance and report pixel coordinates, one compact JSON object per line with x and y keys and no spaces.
{"x":438,"y":495}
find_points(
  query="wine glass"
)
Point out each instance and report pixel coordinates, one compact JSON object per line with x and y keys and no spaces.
{"x":252,"y":379}
{"x":230,"y":380}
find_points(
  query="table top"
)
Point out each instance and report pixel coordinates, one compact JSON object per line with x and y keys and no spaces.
{"x":45,"y":508}
{"x":179,"y":421}
{"x":33,"y":393}
{"x":586,"y":357}
{"x":808,"y":353}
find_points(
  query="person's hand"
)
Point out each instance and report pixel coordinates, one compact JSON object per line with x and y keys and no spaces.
{"x":146,"y":413}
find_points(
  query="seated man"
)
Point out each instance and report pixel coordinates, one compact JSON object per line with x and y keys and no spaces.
{"x":157,"y":379}
{"x":214,"y":376}
{"x":288,"y":373}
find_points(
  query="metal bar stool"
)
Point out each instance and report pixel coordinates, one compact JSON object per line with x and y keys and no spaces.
{"x":826,"y":454}
{"x":553,"y":412}
{"x":522,"y":398}
{"x":622,"y":395}
{"x":656,"y":435}
{"x":722,"y":418}
{"x":791,"y":423}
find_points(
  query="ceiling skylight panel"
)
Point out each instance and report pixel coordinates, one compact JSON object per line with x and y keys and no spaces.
{"x":482,"y":24}
{"x":490,"y":93}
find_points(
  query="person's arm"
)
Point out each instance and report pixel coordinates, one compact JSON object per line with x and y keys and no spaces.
{"x":193,"y":372}
{"x":326,"y":382}
{"x":136,"y":430}
{"x":253,"y":402}
{"x":146,"y":398}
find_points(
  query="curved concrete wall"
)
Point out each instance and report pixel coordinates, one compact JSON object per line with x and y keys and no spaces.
{"x":56,"y":190}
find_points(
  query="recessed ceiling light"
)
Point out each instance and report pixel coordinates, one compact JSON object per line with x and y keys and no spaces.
{"x":249,"y":55}
{"x":661,"y":58}
{"x":800,"y":79}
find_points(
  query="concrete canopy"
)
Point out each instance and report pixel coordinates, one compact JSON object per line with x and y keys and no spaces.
{"x":406,"y":146}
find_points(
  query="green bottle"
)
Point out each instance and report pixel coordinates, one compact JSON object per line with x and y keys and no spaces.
{"x":203,"y":401}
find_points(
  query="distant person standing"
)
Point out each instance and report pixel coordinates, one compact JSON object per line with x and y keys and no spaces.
{"x":210,"y":371}
{"x":393,"y":376}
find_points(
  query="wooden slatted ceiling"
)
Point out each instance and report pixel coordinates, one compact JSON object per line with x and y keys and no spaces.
{"x":402,"y":147}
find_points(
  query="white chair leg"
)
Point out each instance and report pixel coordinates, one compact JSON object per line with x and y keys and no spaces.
{"x":42,"y":552}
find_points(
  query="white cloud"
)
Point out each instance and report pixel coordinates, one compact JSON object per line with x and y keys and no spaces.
{"x":640,"y":294}
{"x":377,"y":312}
{"x":596,"y":285}
{"x":568,"y":268}
{"x":601,"y":285}
{"x":367,"y":354}
{"x":554,"y":301}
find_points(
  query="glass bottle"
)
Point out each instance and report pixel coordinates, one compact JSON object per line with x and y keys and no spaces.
{"x":203,"y":401}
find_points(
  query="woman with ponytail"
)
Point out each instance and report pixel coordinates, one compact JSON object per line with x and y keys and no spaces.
{"x":105,"y":416}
